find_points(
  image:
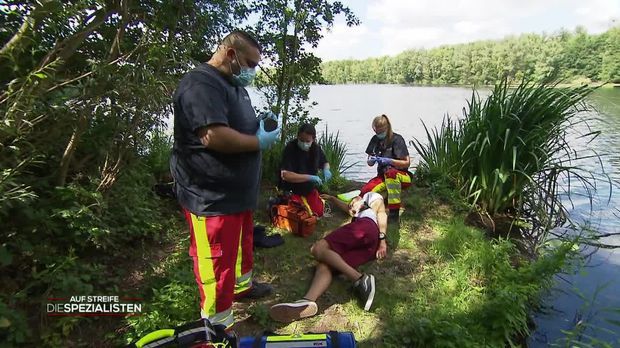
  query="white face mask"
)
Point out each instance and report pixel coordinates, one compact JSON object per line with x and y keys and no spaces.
{"x":303,"y":145}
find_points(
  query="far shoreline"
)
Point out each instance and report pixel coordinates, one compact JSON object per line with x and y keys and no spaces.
{"x":594,"y":84}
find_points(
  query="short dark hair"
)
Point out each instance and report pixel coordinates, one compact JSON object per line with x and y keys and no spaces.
{"x":307,"y":128}
{"x":239,"y":38}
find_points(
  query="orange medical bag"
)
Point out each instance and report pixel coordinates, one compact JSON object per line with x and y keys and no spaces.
{"x":294,"y":218}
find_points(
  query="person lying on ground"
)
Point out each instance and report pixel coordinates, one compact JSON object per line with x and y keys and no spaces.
{"x":344,"y":250}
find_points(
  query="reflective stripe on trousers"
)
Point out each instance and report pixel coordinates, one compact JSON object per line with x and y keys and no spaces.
{"x":393,"y":182}
{"x":221,"y":248}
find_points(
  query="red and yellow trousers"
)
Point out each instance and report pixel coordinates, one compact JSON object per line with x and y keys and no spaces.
{"x":393,"y":181}
{"x":312,"y":202}
{"x":221,"y":248}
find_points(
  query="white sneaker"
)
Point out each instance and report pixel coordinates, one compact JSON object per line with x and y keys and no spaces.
{"x":287,"y":312}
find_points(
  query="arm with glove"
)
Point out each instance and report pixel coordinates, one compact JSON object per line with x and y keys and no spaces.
{"x":327,"y":174}
{"x":382,"y":161}
{"x":267,"y":137}
{"x":221,"y":138}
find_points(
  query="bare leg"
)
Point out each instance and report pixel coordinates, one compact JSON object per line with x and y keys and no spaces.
{"x":328,"y":260}
{"x":324,"y":254}
{"x":321,"y":281}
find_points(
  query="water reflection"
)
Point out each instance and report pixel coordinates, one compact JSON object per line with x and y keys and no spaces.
{"x":590,"y":294}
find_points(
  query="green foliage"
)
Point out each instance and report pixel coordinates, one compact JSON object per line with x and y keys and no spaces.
{"x":158,"y":157}
{"x":336,"y":185}
{"x":260,"y":314}
{"x":13,"y":325}
{"x":171,"y":297}
{"x":513,"y":142}
{"x":335,"y":152}
{"x":271,"y":160}
{"x":565,"y":55}
{"x":440,"y":155}
{"x":510,"y":151}
{"x":287,"y":29}
{"x":472,"y":294}
{"x":610,"y":62}
{"x":169,"y":306}
{"x":84,"y":88}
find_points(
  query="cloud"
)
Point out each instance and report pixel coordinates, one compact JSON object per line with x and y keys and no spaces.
{"x":396,"y":40}
{"x":432,"y":12}
{"x":598,"y":15}
{"x":343,"y":42}
{"x":392,"y":26}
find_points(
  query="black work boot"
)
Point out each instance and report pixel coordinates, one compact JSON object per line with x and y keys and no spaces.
{"x":258,"y":290}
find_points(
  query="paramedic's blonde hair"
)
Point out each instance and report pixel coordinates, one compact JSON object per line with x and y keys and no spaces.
{"x":383,"y":121}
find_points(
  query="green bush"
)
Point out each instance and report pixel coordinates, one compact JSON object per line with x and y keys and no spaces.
{"x":335,"y":152}
{"x":511,"y":151}
{"x":69,"y":242}
{"x":471,"y":294}
{"x":158,"y":156}
{"x":440,"y":155}
{"x":271,"y":160}
{"x":13,"y":324}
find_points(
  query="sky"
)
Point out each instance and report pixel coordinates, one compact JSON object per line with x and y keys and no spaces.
{"x":389,"y":27}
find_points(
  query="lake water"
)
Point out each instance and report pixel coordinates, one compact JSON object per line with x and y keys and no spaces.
{"x":349,"y":109}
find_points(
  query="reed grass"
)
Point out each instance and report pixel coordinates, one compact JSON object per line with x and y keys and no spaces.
{"x":511,"y":154}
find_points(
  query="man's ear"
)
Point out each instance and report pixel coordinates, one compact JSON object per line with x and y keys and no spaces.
{"x":230,"y":53}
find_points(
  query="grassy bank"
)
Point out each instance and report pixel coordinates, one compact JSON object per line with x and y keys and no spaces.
{"x":443,"y":284}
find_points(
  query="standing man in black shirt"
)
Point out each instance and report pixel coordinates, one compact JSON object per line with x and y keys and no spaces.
{"x":389,"y":151}
{"x":216,"y":163}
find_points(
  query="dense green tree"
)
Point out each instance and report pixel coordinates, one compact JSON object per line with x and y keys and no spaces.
{"x":610,"y":61}
{"x":85,"y":90}
{"x":569,"y":55}
{"x":83,"y":86}
{"x":288,"y":29}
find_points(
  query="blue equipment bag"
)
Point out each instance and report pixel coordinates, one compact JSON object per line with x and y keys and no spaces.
{"x":332,"y":339}
{"x":202,"y":333}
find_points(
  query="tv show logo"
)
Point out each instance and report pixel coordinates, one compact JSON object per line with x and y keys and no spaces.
{"x":97,"y":305}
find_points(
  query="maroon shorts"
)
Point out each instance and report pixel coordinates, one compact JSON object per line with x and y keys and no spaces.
{"x":355,"y":242}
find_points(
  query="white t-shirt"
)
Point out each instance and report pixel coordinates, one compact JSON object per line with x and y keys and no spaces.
{"x":369,"y":197}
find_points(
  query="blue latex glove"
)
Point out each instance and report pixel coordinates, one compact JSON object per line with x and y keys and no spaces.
{"x":266,"y":139}
{"x":327,"y":174}
{"x":384,"y":161}
{"x":316,"y":180}
{"x":372,"y":160}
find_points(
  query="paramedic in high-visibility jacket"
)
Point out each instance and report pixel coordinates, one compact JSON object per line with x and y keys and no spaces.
{"x":215,"y":164}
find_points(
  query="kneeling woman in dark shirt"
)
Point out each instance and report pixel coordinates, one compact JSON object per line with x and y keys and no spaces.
{"x":389,"y":151}
{"x":301,"y":161}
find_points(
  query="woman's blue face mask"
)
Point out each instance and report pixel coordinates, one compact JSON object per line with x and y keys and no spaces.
{"x":382,"y":135}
